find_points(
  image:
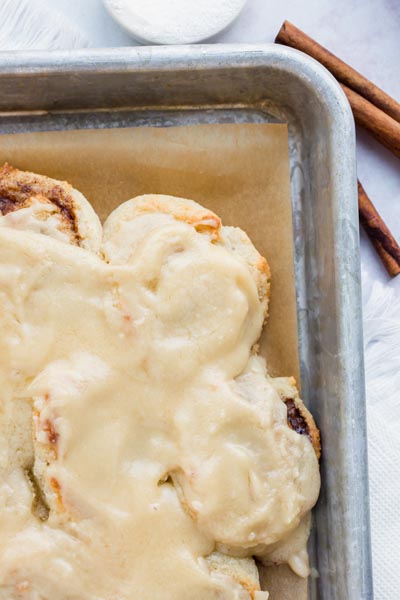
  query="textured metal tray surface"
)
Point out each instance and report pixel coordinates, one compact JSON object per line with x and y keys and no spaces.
{"x":216,"y":84}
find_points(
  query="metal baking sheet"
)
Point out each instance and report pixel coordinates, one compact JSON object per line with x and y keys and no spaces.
{"x":166,"y":86}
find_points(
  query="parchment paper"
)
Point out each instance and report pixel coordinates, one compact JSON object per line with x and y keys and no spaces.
{"x":239,"y":171}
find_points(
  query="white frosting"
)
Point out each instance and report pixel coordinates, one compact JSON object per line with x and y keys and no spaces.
{"x":129,"y":390}
{"x":39,"y":217}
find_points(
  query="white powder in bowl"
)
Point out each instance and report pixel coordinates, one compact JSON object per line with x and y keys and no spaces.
{"x":174,"y":21}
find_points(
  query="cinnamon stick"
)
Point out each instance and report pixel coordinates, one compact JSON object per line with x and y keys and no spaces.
{"x":380,"y":236}
{"x":289,"y":35}
{"x":374,"y":110}
{"x":385,"y":129}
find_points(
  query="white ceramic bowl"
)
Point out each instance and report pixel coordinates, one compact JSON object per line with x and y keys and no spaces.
{"x":174,"y":21}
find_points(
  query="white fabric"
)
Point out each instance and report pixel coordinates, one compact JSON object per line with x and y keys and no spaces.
{"x":382,"y":367}
{"x":33,"y":25}
{"x":381,"y":297}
